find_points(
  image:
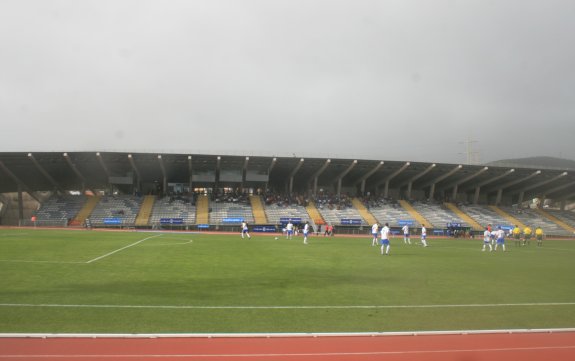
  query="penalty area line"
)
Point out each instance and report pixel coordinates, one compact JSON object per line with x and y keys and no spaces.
{"x":123,"y":248}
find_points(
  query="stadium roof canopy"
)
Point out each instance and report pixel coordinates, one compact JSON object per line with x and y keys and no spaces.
{"x":49,"y":171}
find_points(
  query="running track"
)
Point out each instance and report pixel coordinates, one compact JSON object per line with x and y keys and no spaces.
{"x":496,"y":346}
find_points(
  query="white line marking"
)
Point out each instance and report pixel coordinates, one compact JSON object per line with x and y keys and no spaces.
{"x":13,"y":235}
{"x":184,"y":307}
{"x":123,"y":248}
{"x":506,"y":349}
{"x":32,"y":261}
{"x":285,"y":335}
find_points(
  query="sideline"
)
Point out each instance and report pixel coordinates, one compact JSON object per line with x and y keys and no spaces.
{"x":190,"y":307}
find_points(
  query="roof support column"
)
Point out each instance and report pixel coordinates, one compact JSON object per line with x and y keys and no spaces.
{"x":521,"y":195}
{"x":21,"y":185}
{"x":317,"y":174}
{"x":80,"y":176}
{"x":164,"y":177}
{"x":513,"y":182}
{"x":245,"y":172}
{"x":491,"y":180}
{"x":410,"y":184}
{"x":388,"y":179}
{"x":138,"y":184}
{"x":190,"y":174}
{"x":340,"y":177}
{"x":476,"y":195}
{"x":43,"y":171}
{"x":292,"y":174}
{"x":441,"y":178}
{"x":499,"y":195}
{"x":274,"y":160}
{"x":20,"y":204}
{"x":363,"y":179}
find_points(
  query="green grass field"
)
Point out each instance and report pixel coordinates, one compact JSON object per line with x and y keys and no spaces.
{"x":55,"y":281}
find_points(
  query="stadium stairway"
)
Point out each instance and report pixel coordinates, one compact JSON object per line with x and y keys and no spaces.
{"x":86,"y":210}
{"x":143,"y":217}
{"x":514,"y":221}
{"x":464,"y":216}
{"x":364,"y":212}
{"x":415,"y":214}
{"x":314,"y":214}
{"x":258,"y":210}
{"x":202,"y":210}
{"x":555,"y":220}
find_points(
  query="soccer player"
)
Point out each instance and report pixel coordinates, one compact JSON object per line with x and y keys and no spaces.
{"x":289,"y":230}
{"x":517,"y":235}
{"x":493,"y":237}
{"x":305,"y":232}
{"x":539,"y":236}
{"x":423,"y":235}
{"x":500,"y":238}
{"x":245,"y":231}
{"x":385,"y":231}
{"x":487,"y":240}
{"x":406,"y":238}
{"x":527,"y":232}
{"x":374,"y":232}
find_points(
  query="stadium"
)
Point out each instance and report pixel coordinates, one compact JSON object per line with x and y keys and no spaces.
{"x":213,"y":192}
{"x":174,"y":265}
{"x":287,"y":181}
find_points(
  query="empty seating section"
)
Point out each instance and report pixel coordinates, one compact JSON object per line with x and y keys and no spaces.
{"x":119,"y":210}
{"x":437,"y":214}
{"x":565,"y":216}
{"x":276,"y":211}
{"x":173,"y":207}
{"x":484,"y":215}
{"x":391,"y":213}
{"x":230,"y":213}
{"x":334,"y":216}
{"x":469,"y":220}
{"x":533,"y":219}
{"x":60,"y":210}
{"x":552,"y":218}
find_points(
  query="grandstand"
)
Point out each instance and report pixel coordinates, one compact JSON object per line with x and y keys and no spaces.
{"x":59,"y":210}
{"x":116,"y":211}
{"x":437,"y":215}
{"x":167,"y":209}
{"x":394,"y":192}
{"x":230,"y":213}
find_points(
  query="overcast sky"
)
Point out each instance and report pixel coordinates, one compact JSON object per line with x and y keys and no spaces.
{"x":391,"y":80}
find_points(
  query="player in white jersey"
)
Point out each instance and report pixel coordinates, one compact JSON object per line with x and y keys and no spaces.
{"x":245,"y":231}
{"x":374,"y":232}
{"x":423,"y":235}
{"x":385,"y":232}
{"x":406,"y":238}
{"x":305,"y":232}
{"x":487,"y":240}
{"x":289,"y":230}
{"x":500,"y":238}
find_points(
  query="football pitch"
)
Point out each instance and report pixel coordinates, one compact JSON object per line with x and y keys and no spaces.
{"x":54,"y":281}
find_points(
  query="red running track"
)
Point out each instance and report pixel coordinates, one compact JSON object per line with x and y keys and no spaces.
{"x":446,"y":347}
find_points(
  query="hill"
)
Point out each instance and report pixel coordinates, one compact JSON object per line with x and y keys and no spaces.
{"x":536,"y":162}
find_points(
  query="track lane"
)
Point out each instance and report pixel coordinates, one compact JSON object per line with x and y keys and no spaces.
{"x":445,"y":347}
